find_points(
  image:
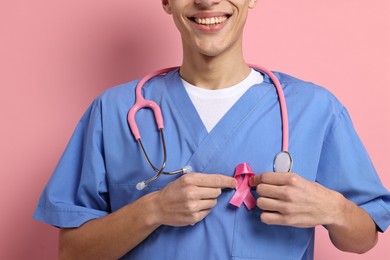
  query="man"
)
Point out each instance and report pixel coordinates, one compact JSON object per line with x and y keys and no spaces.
{"x":218,"y":112}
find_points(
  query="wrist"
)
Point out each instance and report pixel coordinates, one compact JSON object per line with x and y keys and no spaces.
{"x":150,"y":210}
{"x":341,"y":211}
{"x":351,"y":228}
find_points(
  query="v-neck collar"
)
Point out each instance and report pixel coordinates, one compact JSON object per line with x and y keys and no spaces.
{"x":206,"y":146}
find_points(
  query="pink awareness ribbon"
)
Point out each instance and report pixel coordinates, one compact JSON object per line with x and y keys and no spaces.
{"x":243,"y":190}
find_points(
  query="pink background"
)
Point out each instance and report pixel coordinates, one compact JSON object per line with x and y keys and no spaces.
{"x":56,"y":56}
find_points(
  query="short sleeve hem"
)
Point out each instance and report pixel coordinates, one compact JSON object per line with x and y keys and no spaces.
{"x":379,"y":213}
{"x":68,"y":218}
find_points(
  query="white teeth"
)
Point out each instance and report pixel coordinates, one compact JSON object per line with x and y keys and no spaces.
{"x":211,"y":20}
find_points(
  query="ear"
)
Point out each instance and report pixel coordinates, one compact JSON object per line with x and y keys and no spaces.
{"x":167,"y":6}
{"x":252,"y":4}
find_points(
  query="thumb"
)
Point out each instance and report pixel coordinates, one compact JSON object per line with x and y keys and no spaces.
{"x":255,"y":180}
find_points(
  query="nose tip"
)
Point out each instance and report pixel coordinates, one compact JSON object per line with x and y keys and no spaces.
{"x":207,"y":2}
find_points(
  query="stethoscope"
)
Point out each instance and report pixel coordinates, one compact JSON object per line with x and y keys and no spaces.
{"x":282,"y":161}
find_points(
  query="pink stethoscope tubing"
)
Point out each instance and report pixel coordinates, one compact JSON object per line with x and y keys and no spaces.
{"x":282,"y":161}
{"x":141,"y":102}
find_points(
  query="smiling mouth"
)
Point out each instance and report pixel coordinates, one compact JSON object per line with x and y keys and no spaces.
{"x":209,"y":21}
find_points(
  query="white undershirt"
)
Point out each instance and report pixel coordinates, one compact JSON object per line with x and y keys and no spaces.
{"x":212,"y":105}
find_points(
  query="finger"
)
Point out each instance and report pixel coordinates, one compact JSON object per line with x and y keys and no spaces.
{"x":268,"y":204}
{"x":273,"y":178}
{"x":199,"y":205}
{"x":197,"y":193}
{"x":209,"y":193}
{"x":187,"y":219}
{"x":272,"y":218}
{"x":277,"y":218}
{"x":199,"y":216}
{"x":209,"y":180}
{"x":272,"y":191}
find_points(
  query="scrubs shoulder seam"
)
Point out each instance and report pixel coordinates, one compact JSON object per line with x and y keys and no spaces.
{"x":336,"y":124}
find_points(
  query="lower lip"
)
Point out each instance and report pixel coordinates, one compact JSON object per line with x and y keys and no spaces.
{"x":208,"y":28}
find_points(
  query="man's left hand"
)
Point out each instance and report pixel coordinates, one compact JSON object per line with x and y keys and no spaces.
{"x":290,"y":200}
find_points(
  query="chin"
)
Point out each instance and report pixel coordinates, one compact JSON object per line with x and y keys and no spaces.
{"x":212,"y":50}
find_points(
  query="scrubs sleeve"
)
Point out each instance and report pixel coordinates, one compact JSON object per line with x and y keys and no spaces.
{"x":346,"y":167}
{"x":77,"y":191}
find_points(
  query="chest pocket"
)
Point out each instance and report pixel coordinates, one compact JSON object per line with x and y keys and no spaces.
{"x":255,"y":240}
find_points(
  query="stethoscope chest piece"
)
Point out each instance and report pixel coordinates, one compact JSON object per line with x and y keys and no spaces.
{"x":283,"y":162}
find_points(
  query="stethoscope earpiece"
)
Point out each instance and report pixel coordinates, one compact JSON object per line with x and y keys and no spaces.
{"x":140,"y":185}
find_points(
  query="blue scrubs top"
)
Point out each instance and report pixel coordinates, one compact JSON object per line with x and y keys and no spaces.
{"x":102,"y":164}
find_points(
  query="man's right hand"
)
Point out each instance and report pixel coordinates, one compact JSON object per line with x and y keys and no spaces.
{"x":190,"y":198}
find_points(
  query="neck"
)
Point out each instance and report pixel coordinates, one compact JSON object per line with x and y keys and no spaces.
{"x":217,"y":72}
